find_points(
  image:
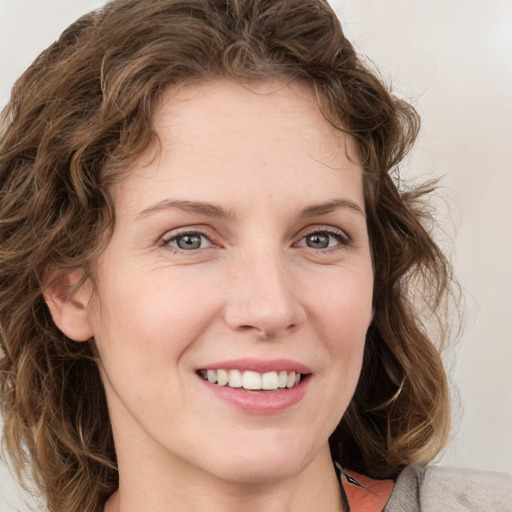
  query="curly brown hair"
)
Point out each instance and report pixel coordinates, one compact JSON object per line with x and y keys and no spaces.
{"x":83,"y":110}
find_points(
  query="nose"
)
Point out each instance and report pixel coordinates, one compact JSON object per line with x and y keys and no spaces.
{"x":263,"y":297}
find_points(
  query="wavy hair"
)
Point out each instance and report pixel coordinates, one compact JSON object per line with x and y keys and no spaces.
{"x":83,"y":110}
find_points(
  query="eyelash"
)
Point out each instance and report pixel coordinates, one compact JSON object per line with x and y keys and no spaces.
{"x":341,"y":237}
{"x":166,"y":240}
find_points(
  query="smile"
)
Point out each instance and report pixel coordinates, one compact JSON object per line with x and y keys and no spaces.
{"x":251,"y":380}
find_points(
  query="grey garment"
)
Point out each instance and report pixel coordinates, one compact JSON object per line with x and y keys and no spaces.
{"x":446,"y":489}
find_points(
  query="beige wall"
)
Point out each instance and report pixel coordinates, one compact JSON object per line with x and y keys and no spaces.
{"x":453,"y":59}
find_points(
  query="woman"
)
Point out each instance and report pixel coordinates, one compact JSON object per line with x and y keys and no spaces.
{"x":210,"y":283}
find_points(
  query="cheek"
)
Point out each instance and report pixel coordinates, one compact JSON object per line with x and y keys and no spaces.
{"x":146,"y":323}
{"x":342,"y":315}
{"x":344,"y":306}
{"x":341,"y":318}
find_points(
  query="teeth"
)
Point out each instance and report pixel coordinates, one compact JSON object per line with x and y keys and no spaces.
{"x":222,"y":377}
{"x":283,"y":377}
{"x":235,"y":379}
{"x":250,"y":380}
{"x":269,"y":381}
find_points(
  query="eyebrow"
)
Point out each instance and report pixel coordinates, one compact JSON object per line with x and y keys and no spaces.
{"x":329,"y":207}
{"x":215,"y":211}
{"x":198,"y":207}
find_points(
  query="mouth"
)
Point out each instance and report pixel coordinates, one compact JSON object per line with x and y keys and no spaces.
{"x":249,"y":380}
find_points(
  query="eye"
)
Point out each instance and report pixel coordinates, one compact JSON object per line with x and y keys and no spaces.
{"x":189,"y":241}
{"x":323,"y":239}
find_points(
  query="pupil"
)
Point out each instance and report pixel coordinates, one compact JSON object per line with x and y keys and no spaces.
{"x":318,"y":241}
{"x":189,"y":242}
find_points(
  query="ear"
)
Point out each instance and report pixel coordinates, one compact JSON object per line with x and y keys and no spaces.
{"x":68,"y":304}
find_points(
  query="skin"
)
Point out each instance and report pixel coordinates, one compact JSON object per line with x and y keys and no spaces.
{"x":254,"y":288}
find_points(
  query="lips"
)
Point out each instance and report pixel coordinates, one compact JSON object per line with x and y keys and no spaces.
{"x":257,"y":386}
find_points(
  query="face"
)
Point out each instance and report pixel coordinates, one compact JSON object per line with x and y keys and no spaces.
{"x":232,"y":302}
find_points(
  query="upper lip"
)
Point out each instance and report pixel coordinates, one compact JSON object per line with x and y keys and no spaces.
{"x":259,"y":365}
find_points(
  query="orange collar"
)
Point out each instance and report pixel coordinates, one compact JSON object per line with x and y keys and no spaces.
{"x":364,"y":493}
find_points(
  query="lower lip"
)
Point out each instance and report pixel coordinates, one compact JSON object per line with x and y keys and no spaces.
{"x":266,"y":402}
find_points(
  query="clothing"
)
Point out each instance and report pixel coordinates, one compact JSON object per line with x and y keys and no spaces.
{"x":446,"y":489}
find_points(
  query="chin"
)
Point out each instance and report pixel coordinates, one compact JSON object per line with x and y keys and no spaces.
{"x":257,"y":472}
{"x":261,"y":463}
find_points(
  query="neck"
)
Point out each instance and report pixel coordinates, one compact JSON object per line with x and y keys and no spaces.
{"x":145,"y":487}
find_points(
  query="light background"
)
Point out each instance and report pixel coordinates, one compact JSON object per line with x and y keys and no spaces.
{"x":453,"y":60}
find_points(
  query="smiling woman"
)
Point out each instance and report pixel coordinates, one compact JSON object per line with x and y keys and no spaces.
{"x":250,"y":282}
{"x":210,"y":283}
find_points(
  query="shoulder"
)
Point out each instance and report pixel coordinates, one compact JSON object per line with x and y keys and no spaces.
{"x":434,"y":488}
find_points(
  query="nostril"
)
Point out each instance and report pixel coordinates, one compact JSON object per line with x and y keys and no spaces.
{"x":263,"y":316}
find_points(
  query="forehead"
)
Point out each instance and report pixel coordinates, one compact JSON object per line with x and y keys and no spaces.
{"x":262,"y":111}
{"x":243,"y":139}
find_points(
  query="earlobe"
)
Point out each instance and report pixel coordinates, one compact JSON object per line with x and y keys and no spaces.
{"x":68,"y":304}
